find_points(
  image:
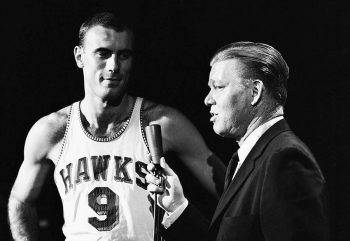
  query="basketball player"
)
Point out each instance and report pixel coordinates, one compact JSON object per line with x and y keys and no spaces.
{"x":98,"y":147}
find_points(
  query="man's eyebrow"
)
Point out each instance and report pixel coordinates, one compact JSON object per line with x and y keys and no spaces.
{"x":101,"y":49}
{"x":122,"y":51}
{"x":211,"y":81}
{"x":129,"y":51}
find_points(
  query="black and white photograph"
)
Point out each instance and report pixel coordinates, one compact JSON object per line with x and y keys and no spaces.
{"x":175,"y":120}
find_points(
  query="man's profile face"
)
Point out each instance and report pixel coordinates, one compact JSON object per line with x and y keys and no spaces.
{"x":107,"y":60}
{"x":229,"y":99}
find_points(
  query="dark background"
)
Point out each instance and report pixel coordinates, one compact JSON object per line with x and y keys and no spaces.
{"x":175,"y":41}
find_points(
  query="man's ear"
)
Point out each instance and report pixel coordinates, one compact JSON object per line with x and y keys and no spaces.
{"x":257,"y":90}
{"x":78,"y":56}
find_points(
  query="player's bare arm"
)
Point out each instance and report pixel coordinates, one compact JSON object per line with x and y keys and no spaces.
{"x":182,"y":137}
{"x":41,"y":147}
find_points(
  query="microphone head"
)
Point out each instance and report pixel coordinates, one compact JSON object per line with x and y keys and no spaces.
{"x":154,"y":139}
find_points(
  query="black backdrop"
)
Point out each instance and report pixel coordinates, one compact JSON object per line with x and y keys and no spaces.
{"x":175,"y":41}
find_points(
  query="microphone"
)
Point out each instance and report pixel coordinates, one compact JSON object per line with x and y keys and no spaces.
{"x":154,"y":139}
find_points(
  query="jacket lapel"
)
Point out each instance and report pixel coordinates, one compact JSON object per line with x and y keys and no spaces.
{"x":242,"y":174}
{"x":230,"y":169}
{"x":247,"y":167}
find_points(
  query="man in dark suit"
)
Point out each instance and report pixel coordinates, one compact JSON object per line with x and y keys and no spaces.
{"x":274,"y":188}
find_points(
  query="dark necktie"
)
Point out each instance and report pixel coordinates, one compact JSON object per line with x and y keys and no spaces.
{"x":231,"y":169}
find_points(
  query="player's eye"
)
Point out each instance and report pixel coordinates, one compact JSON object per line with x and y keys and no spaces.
{"x":103,"y":53}
{"x":124,"y":55}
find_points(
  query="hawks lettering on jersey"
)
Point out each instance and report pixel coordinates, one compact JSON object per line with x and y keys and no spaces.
{"x":100,"y":165}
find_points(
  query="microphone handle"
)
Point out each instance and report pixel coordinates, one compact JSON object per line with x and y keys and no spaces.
{"x":154,"y":140}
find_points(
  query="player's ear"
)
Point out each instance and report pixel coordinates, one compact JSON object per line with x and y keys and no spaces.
{"x":257,"y":90}
{"x":78,"y":52}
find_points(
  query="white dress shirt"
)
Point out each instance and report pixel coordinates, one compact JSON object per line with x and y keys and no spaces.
{"x":250,"y":141}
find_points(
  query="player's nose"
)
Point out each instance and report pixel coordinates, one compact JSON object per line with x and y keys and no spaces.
{"x":112,"y":64}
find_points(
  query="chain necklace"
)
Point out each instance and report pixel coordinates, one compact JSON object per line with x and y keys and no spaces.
{"x":109,"y":138}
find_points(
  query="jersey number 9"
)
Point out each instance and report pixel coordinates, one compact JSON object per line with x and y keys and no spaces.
{"x":105,"y":203}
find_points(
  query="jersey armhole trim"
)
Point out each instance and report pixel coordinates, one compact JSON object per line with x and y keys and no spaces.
{"x":142,"y":126}
{"x":65,"y":134}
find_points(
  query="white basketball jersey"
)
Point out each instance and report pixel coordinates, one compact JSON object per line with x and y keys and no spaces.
{"x":101,"y":182}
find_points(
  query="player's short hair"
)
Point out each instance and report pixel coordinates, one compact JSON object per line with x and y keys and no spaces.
{"x":104,"y":19}
{"x":263,"y":62}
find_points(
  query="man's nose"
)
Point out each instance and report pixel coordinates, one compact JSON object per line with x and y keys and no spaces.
{"x":112,"y":64}
{"x":208,"y":100}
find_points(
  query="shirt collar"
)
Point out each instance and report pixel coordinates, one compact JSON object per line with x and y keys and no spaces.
{"x":250,"y":141}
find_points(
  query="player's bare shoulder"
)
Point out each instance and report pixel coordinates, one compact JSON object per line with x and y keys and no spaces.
{"x":178,"y":132}
{"x":46,"y":135}
{"x":155,"y":113}
{"x":175,"y":125}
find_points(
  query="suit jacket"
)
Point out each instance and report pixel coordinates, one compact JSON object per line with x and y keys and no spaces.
{"x":278,"y":194}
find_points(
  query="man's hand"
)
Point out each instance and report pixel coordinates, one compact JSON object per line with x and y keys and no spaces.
{"x":172,"y":195}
